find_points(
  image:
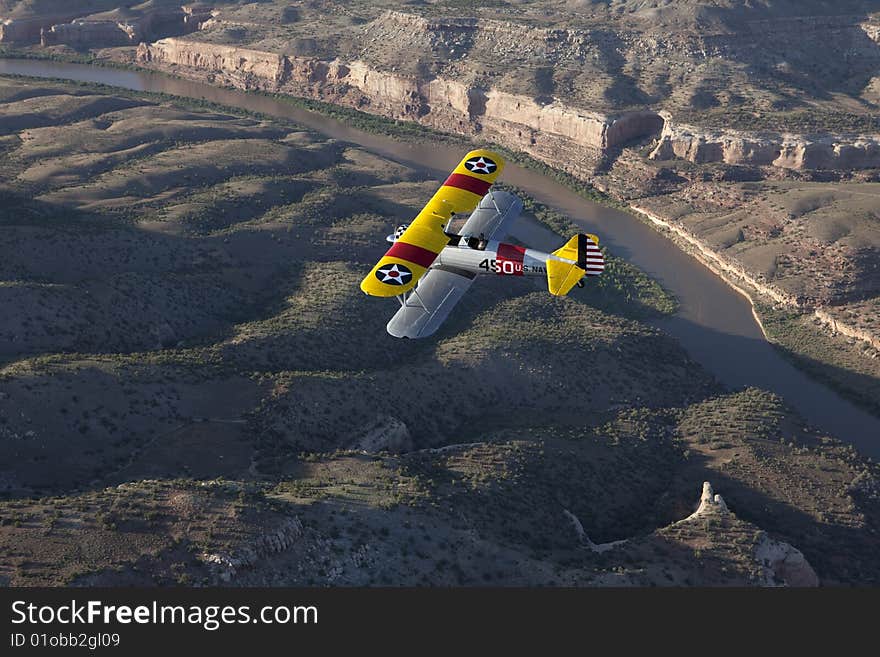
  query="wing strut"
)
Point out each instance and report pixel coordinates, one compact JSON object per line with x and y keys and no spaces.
{"x":492,"y":198}
{"x":406,"y":296}
{"x":415,"y":292}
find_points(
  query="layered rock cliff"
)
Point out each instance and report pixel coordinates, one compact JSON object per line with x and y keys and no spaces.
{"x":566,"y":94}
{"x":568,"y":137}
{"x":249,"y":69}
{"x":789,"y":151}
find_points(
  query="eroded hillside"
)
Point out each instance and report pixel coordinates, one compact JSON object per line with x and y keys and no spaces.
{"x":193,"y":390}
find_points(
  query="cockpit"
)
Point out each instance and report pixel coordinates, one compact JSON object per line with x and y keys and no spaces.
{"x":475,"y":242}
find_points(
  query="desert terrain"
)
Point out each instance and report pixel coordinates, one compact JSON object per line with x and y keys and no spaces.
{"x":747,"y":130}
{"x":193,"y":390}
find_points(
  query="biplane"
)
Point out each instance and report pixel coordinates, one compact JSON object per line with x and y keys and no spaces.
{"x":429,"y":268}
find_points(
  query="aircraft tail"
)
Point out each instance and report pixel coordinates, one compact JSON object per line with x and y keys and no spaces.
{"x":582,"y":258}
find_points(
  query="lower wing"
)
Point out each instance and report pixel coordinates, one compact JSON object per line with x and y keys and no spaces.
{"x":430,"y":303}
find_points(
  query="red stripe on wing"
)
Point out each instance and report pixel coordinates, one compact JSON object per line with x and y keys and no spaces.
{"x":468,"y":183}
{"x":412,"y":253}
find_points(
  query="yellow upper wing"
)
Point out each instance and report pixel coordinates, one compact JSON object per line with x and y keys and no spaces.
{"x":411,"y":255}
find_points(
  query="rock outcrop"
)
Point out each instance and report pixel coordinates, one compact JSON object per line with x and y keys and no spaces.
{"x":782,"y":564}
{"x":387,"y":434}
{"x":788,"y":151}
{"x":226,"y":566}
{"x":872,"y":30}
{"x":709,"y":503}
{"x":712,"y":528}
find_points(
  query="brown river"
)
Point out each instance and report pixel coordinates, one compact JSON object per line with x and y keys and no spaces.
{"x":714,"y":323}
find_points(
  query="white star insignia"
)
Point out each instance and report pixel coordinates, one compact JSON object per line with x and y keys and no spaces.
{"x":394,"y":274}
{"x":480,"y":165}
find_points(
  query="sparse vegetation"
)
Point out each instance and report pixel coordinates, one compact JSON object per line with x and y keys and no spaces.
{"x":191,"y":345}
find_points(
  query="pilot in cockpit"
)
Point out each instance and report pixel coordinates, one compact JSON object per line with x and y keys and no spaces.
{"x":472,"y":242}
{"x":467,"y":241}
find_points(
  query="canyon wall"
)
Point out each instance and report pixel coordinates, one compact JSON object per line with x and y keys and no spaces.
{"x":560,"y":133}
{"x":73,"y":29}
{"x":564,"y":136}
{"x":567,"y":137}
{"x":748,"y":285}
{"x":733,"y":273}
{"x":26,"y":31}
{"x":79,"y":34}
{"x":242,"y":67}
{"x":788,"y":151}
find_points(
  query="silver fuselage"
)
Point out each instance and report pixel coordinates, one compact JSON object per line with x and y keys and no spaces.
{"x":497,"y":258}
